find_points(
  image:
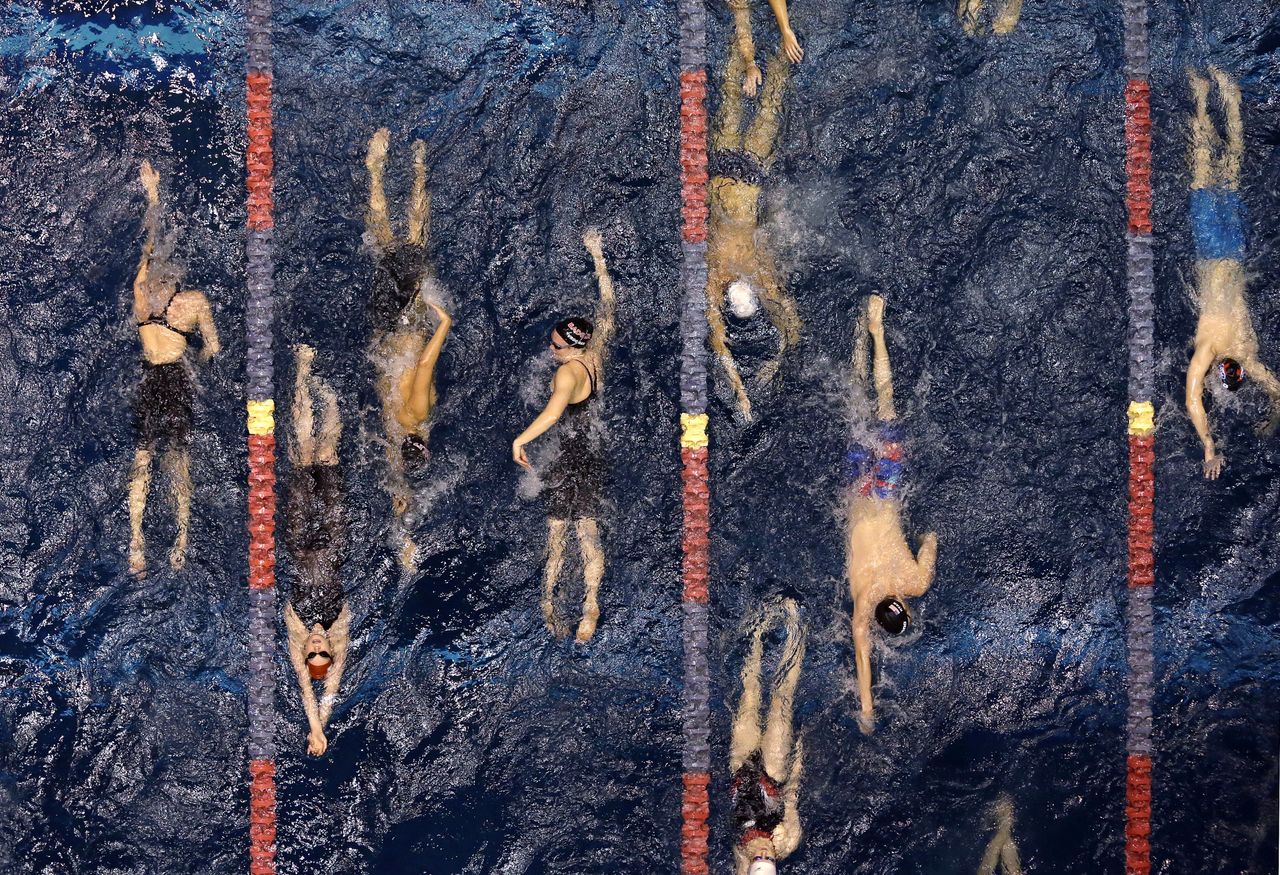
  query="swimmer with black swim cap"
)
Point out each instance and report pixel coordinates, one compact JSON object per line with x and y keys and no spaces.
{"x":883,"y":572}
{"x":405,"y":348}
{"x":573,"y":485}
{"x":1225,"y":339}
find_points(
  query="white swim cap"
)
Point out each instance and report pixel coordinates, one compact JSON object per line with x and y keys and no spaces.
{"x":742,"y":299}
{"x":763,"y":867}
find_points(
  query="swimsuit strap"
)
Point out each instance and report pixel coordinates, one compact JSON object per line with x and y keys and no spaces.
{"x":591,"y":378}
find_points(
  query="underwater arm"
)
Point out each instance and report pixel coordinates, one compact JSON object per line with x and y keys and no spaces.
{"x":744,"y":46}
{"x":1269,"y":382}
{"x":605,"y":309}
{"x":926,"y":557}
{"x":1200,"y":364}
{"x":561,"y":391}
{"x":339,"y":638}
{"x":789,"y":44}
{"x":862,"y":652}
{"x":316,"y":742}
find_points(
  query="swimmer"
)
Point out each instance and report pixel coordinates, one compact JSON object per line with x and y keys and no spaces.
{"x":168,"y":318}
{"x":1225,"y":342}
{"x":403,"y":299}
{"x":575,"y":481}
{"x":1001,"y":851}
{"x":739,"y":263}
{"x":882,"y":571}
{"x":316,"y":616}
{"x":789,"y":45}
{"x":970,"y":11}
{"x":766,"y":767}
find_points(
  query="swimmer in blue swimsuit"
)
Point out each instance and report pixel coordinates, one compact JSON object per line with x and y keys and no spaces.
{"x":1225,"y":341}
{"x":883,"y":572}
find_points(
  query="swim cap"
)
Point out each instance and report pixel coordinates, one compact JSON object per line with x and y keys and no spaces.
{"x":414,"y":452}
{"x":576,"y":331}
{"x":762,"y":866}
{"x":1231,"y":373}
{"x":893,"y":616}
{"x":742,"y":299}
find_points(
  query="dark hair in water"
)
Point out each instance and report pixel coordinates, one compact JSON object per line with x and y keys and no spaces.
{"x":1231,"y":372}
{"x":414,"y":452}
{"x":893,"y":617}
{"x":576,"y":331}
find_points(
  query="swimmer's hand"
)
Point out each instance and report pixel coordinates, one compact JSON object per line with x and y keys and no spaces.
{"x":317,"y":744}
{"x":751,"y":81}
{"x":867,"y":722}
{"x":791,"y":47}
{"x":1213,"y":464}
{"x":519,"y":456}
{"x":150,"y":180}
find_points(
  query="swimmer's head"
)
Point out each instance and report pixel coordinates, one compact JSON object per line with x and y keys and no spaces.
{"x":893,"y":616}
{"x":318,"y":657}
{"x":571,"y":335}
{"x":743,"y":300}
{"x":1231,"y":373}
{"x":414,"y":453}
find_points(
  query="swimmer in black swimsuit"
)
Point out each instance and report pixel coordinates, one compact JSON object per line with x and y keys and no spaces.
{"x":741,"y":267}
{"x":766,"y":766}
{"x":316,"y":616}
{"x":789,"y":45}
{"x":575,"y":481}
{"x":405,"y":296}
{"x":168,"y":319}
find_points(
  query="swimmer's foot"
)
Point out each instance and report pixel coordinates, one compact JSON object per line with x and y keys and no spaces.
{"x":178,"y":554}
{"x":377,"y":155}
{"x":408,"y":554}
{"x":875,"y":315}
{"x":1007,"y":20}
{"x":419,"y":153}
{"x":1199,"y":90}
{"x":587,"y":627}
{"x":137,"y":558}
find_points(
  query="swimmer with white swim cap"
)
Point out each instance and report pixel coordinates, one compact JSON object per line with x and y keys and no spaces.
{"x":766,"y":765}
{"x":740,"y":266}
{"x":883,"y":572}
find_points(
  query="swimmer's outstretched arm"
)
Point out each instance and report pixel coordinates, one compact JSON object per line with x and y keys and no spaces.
{"x":788,"y":43}
{"x":316,"y":742}
{"x":1201,"y":362}
{"x":339,"y":639}
{"x":786,"y":837}
{"x":417,"y":407}
{"x":562,"y":386}
{"x":604,"y":321}
{"x":743,"y":45}
{"x":151,"y":185}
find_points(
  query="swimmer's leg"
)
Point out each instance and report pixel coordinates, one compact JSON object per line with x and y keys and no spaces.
{"x":762,"y":136}
{"x":1204,"y":139}
{"x":302,"y":413}
{"x":556,"y":530}
{"x":968,"y":12}
{"x":1229,"y":94}
{"x":1007,"y":20}
{"x":179,"y":468}
{"x":776,"y":745}
{"x":883,"y":372}
{"x":745,"y":739}
{"x":592,"y":574}
{"x":377,"y":221}
{"x":139,"y":485}
{"x":781,"y":309}
{"x":726,"y":130}
{"x":719,"y":337}
{"x":420,"y":200}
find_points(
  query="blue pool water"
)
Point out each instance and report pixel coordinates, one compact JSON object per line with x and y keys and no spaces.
{"x":976,"y":183}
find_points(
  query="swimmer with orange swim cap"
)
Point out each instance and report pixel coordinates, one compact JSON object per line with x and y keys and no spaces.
{"x":574,"y":483}
{"x":765,"y":763}
{"x":316,"y":616}
{"x":883,"y":572}
{"x":1225,"y":342}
